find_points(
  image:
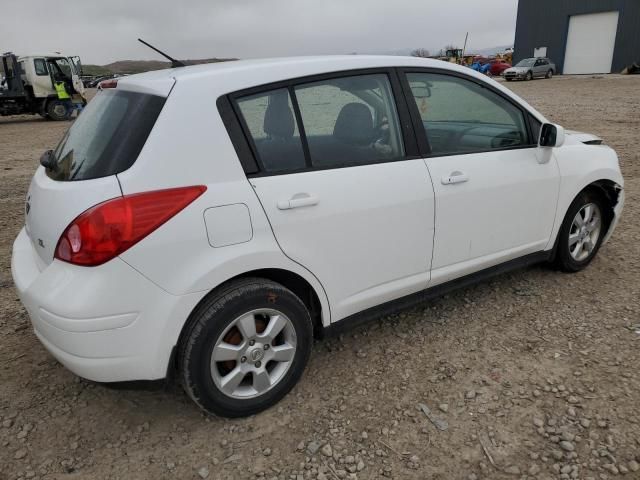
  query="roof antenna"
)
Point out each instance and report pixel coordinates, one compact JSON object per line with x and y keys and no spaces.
{"x":174,"y":63}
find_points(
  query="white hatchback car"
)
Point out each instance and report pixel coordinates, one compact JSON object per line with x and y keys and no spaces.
{"x":210,"y":220}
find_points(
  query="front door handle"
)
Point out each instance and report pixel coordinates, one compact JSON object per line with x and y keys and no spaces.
{"x":297,"y":201}
{"x":454,"y":177}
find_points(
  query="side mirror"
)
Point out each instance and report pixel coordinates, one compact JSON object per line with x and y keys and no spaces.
{"x":551,"y":135}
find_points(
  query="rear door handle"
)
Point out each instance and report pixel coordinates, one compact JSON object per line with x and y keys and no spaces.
{"x":454,"y":177}
{"x":297,"y":201}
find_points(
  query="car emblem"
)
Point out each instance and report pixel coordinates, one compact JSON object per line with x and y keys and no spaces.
{"x":40,"y":242}
{"x":27,"y":207}
{"x":256,"y":355}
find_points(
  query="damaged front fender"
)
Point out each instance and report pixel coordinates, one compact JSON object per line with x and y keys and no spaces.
{"x":617,"y":212}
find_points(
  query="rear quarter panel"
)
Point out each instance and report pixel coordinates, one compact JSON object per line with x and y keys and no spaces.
{"x":189,"y":145}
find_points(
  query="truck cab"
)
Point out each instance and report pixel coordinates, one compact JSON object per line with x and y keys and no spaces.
{"x":30,"y":85}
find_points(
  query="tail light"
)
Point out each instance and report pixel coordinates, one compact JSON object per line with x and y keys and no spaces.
{"x":109,"y":228}
{"x":111,"y":83}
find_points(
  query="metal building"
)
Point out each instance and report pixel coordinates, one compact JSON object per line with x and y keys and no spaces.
{"x":580,"y":36}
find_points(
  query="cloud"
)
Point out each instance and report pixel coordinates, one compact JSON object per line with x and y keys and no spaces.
{"x":101,"y":32}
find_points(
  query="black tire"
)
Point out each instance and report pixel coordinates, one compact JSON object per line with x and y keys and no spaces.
{"x":58,"y":110}
{"x":210,"y":320}
{"x":508,"y":79}
{"x":564,"y":260}
{"x":528,"y":76}
{"x":549,"y":74}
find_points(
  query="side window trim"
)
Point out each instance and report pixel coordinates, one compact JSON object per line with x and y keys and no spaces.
{"x":421,"y":135}
{"x":242,"y":145}
{"x":245,"y":147}
{"x":407,"y":127}
{"x":418,"y":128}
{"x":303,"y":135}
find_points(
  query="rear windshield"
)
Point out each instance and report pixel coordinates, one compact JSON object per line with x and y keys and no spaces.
{"x":107,"y":137}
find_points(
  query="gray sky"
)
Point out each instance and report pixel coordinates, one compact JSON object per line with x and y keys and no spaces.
{"x":102,"y":31}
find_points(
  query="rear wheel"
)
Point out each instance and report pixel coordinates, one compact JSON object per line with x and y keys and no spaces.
{"x":528,"y":76}
{"x":58,"y":110}
{"x":245,"y":348}
{"x":582,"y":232}
{"x":549,"y":74}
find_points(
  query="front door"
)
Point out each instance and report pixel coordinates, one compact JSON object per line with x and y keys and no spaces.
{"x":341,"y":197}
{"x":495,"y":190}
{"x":41,"y":82}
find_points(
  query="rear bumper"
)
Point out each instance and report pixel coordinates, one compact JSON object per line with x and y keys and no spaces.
{"x":106,"y":323}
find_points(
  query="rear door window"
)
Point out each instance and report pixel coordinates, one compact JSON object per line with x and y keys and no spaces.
{"x":350,"y":121}
{"x":107,"y":137}
{"x":337,"y":122}
{"x":271,"y":123}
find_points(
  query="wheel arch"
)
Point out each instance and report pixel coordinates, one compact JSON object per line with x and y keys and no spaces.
{"x":287,"y":278}
{"x":609,"y":190}
{"x":298,"y":285}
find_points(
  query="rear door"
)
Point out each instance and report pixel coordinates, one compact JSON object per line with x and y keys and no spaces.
{"x":342,"y":186}
{"x":495,"y":190}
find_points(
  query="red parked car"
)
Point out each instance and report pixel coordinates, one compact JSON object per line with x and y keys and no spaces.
{"x":498,"y":66}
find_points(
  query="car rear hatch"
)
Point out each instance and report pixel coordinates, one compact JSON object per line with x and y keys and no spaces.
{"x":105,"y":140}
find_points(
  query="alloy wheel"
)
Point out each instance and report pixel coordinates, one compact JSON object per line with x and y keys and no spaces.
{"x":253,"y":353}
{"x":585,"y":231}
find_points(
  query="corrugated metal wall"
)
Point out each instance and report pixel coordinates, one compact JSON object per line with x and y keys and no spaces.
{"x":546,"y":23}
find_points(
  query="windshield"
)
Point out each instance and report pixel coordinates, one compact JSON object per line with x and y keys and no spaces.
{"x":527,"y":62}
{"x":107,"y":137}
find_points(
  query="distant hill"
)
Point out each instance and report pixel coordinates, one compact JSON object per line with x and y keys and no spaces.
{"x":139,"y":66}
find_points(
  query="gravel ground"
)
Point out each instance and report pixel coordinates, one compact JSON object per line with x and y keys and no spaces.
{"x":535,"y":373}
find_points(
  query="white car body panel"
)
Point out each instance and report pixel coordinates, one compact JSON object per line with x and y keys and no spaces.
{"x":471,"y":230}
{"x":581,"y":165}
{"x":121,"y":320}
{"x":53,"y":205}
{"x":73,"y":310}
{"x":367,"y":246}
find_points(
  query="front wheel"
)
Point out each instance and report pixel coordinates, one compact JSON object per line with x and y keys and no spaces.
{"x":58,"y":110}
{"x":245,"y":348}
{"x":549,"y":74}
{"x":528,"y":76}
{"x":582,"y":232}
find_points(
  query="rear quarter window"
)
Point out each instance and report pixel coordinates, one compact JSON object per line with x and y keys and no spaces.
{"x":107,"y":137}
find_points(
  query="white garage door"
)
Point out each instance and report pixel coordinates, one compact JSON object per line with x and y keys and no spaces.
{"x":590,"y":43}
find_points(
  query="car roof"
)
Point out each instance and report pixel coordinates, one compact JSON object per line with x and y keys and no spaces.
{"x":217,"y":79}
{"x":235,"y":75}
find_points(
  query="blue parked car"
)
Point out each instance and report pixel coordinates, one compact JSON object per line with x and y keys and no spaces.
{"x":482,"y":68}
